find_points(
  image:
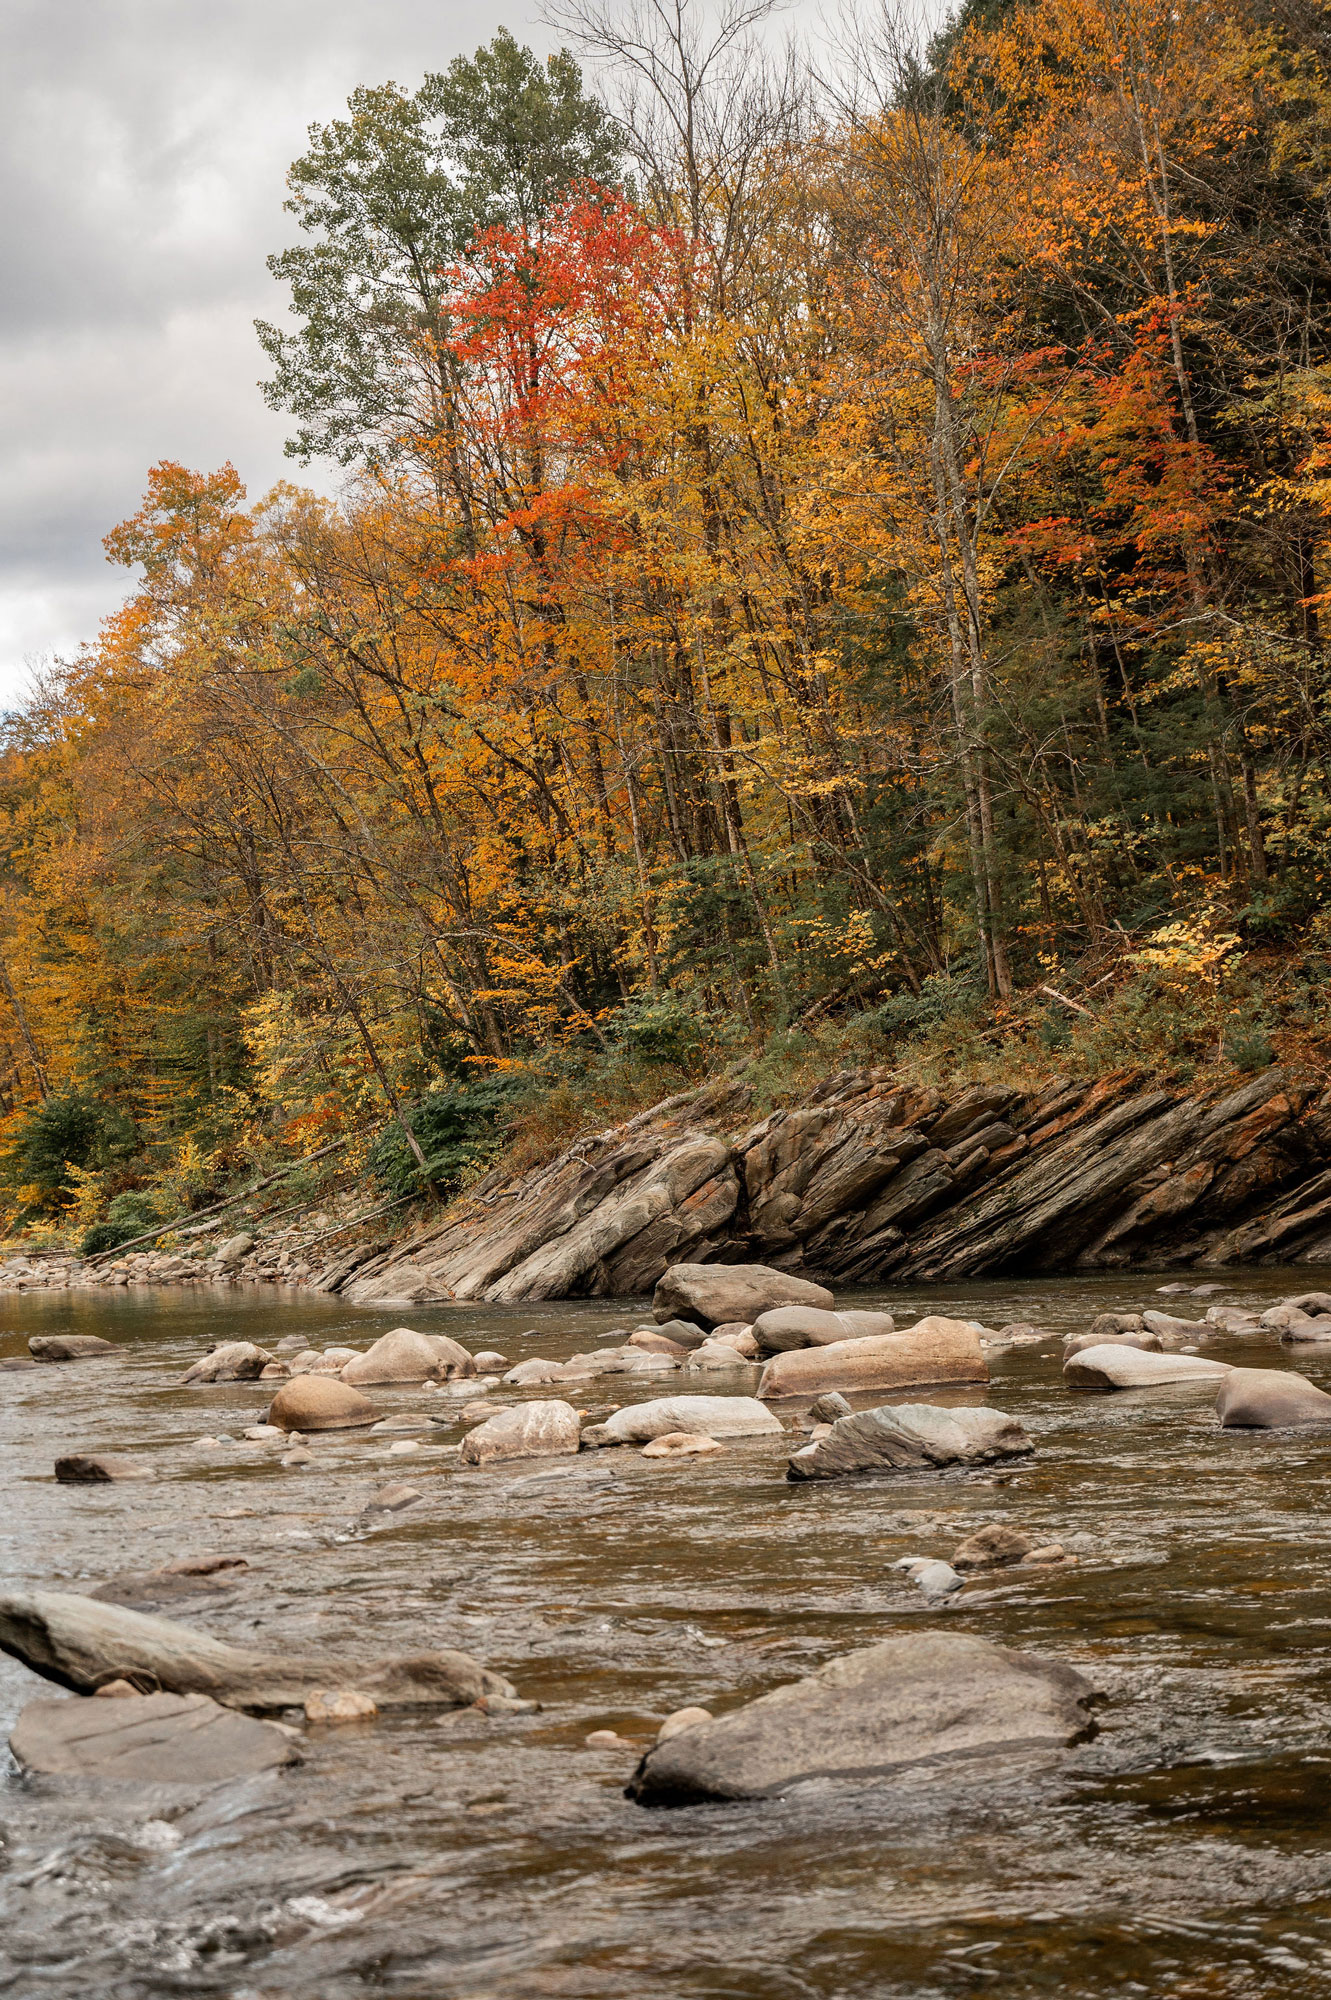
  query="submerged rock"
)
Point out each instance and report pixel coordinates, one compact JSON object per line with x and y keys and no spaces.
{"x":319,"y":1403}
{"x":909,"y":1437}
{"x":922,"y":1699}
{"x":334,"y":1705}
{"x":392,"y":1499}
{"x":682,"y":1444}
{"x":934,"y":1350}
{"x":70,"y":1347}
{"x":529,"y":1430}
{"x":81,"y":1643}
{"x":1106,"y":1367}
{"x":713,"y":1294}
{"x":705,"y":1416}
{"x":994,"y":1548}
{"x":150,"y":1738}
{"x":97,"y":1468}
{"x":1270,"y":1399}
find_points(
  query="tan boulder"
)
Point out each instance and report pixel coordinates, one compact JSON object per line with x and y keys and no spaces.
{"x":528,"y":1430}
{"x":714,"y":1294}
{"x":407,"y":1356}
{"x":934,"y":1350}
{"x":682,"y":1444}
{"x":1106,"y":1367}
{"x":233,"y":1361}
{"x":319,"y":1403}
{"x":1270,"y":1399}
{"x":787,"y":1327}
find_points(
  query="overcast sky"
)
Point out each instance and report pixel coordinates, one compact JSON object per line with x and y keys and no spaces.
{"x":144,"y":145}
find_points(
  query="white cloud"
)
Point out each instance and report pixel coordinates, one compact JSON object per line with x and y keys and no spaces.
{"x":143,"y":146}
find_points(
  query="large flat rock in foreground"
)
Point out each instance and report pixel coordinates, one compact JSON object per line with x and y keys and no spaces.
{"x":1109,"y":1367}
{"x":910,"y":1437}
{"x":82,"y":1643}
{"x":935,"y":1351}
{"x":927,"y":1698}
{"x":153,"y":1738}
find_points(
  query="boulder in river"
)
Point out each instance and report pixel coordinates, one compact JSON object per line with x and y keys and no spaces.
{"x":1117,"y":1322}
{"x":934,"y":1350}
{"x":910,"y":1437}
{"x":149,"y":1738}
{"x":1234,"y":1319}
{"x":787,"y":1327}
{"x":319,"y":1403}
{"x":81,"y":1643}
{"x":1284,"y":1317}
{"x":684,"y":1333}
{"x":1315,"y":1304}
{"x":1270,"y":1399}
{"x":98,"y":1469}
{"x":528,"y":1430}
{"x":1174,"y":1333}
{"x":1144,"y":1342}
{"x":714,"y":1354}
{"x":232,"y":1361}
{"x":392,"y":1499}
{"x":70,"y":1347}
{"x":234,"y":1250}
{"x":711,"y":1294}
{"x":922,"y":1699}
{"x":682,"y":1444}
{"x":994,"y":1547}
{"x":407,"y":1356}
{"x":1106,"y":1367}
{"x":707,"y":1416}
{"x":652,"y":1342}
{"x":536,"y":1373}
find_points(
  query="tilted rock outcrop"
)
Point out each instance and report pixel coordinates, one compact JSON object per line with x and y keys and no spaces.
{"x":874,"y":1179}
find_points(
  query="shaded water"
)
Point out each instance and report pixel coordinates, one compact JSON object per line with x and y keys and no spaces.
{"x":1186,"y":1850}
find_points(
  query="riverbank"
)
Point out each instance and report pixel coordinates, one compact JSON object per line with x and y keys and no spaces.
{"x":866,"y":1178}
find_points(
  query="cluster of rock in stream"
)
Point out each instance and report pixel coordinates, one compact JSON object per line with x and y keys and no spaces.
{"x":161,"y":1700}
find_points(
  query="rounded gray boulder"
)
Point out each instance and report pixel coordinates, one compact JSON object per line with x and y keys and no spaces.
{"x":1270,"y":1399}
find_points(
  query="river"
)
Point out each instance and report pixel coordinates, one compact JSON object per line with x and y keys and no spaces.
{"x":1184,"y":1851}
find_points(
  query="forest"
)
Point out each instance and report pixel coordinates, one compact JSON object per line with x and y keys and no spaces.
{"x":828,"y":567}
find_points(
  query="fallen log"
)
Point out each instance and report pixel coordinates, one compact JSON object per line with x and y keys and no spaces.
{"x":82,"y":1644}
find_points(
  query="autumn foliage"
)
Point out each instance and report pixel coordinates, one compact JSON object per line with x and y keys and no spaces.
{"x":869,"y":574}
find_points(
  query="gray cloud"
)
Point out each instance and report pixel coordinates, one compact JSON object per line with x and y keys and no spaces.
{"x":143,"y":145}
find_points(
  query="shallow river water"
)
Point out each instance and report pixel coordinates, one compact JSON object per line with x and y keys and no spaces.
{"x":1185,"y":1851}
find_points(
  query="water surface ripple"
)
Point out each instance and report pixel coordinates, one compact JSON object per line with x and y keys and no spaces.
{"x":1186,"y":1850}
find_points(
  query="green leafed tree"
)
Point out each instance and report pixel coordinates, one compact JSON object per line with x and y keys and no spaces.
{"x":390,"y":197}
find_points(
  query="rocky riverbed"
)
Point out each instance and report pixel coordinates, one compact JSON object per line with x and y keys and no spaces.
{"x":488,"y":1848}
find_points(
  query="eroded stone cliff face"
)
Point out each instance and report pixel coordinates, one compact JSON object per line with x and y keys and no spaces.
{"x":873,"y":1179}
